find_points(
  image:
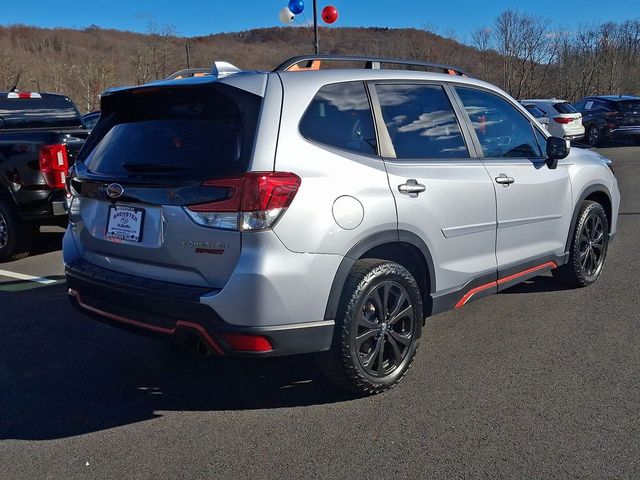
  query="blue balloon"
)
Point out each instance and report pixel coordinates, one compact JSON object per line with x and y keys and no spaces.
{"x":296,"y":6}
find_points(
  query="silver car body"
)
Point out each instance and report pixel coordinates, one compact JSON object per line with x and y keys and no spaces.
{"x":472,"y":231}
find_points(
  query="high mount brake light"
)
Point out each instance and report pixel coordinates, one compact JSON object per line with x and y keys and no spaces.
{"x":254,"y":201}
{"x":54,"y":165}
{"x":23,"y":95}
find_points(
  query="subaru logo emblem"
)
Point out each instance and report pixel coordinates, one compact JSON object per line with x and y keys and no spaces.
{"x":115,"y":190}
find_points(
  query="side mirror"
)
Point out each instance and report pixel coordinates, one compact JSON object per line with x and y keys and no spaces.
{"x":557,"y":149}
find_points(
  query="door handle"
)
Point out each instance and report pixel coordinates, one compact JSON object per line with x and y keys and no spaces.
{"x":504,"y":180}
{"x":411,"y":188}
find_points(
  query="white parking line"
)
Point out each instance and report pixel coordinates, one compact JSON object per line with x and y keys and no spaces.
{"x":30,"y":278}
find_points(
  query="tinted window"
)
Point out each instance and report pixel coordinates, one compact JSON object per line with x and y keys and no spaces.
{"x":421,"y":122}
{"x":502,"y":130}
{"x":50,"y":111}
{"x":535,"y":111}
{"x":340,"y":116}
{"x":186,"y":134}
{"x":627,"y":106}
{"x":564,"y":107}
{"x":580,"y":105}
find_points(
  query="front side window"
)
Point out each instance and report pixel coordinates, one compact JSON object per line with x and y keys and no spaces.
{"x":421,"y":122}
{"x":501,"y":129}
{"x":340,"y":116}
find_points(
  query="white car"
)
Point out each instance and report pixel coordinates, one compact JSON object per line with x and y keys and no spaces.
{"x":539,"y":115}
{"x":564,"y":120}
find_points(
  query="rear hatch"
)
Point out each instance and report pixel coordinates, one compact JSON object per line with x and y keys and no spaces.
{"x":567,"y":116}
{"x":148,"y":158}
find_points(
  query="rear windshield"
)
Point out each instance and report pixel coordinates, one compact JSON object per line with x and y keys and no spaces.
{"x":183,"y":133}
{"x":564,"y":107}
{"x":50,"y":111}
{"x":627,"y":106}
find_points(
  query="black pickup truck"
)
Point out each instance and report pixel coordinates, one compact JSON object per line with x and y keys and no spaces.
{"x":40,"y":137}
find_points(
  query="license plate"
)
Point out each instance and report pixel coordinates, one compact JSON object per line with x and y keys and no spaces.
{"x":125,"y":223}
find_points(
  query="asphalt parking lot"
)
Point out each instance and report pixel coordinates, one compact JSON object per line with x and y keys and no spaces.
{"x":535,"y":382}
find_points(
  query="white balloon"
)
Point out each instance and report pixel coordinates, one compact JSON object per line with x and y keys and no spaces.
{"x":286,"y":16}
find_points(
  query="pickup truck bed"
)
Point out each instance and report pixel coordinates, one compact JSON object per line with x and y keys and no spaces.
{"x":40,"y":138}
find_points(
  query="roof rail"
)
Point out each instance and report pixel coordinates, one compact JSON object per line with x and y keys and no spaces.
{"x":218,"y":69}
{"x":372,"y":63}
{"x":188,"y":73}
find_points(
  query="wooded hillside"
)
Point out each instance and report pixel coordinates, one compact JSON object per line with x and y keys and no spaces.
{"x":83,"y":63}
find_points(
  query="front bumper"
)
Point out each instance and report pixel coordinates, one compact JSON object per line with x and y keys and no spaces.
{"x":168,"y":309}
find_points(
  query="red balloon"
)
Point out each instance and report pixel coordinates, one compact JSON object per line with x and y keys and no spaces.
{"x":329,"y":14}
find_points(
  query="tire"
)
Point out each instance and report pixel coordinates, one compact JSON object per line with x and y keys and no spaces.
{"x":354,"y":362}
{"x":637,"y":141}
{"x":588,"y":247}
{"x":16,"y":236}
{"x":594,"y":136}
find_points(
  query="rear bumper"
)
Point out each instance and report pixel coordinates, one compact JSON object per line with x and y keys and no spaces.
{"x":166,"y":309}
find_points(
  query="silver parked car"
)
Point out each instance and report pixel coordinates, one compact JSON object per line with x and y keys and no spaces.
{"x":308,"y":210}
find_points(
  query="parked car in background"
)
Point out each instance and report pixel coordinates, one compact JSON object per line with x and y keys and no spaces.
{"x":40,"y":136}
{"x":564,"y":120}
{"x":608,"y":117}
{"x":90,"y":119}
{"x":538,"y":114}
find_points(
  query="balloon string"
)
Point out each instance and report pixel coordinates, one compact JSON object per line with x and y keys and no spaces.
{"x":305,"y":19}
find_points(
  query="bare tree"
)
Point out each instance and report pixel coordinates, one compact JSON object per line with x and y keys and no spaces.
{"x":481,"y":38}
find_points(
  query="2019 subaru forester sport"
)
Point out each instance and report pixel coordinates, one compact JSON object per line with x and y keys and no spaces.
{"x":307,"y":210}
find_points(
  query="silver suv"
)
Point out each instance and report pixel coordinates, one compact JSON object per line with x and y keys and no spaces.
{"x":324,"y":210}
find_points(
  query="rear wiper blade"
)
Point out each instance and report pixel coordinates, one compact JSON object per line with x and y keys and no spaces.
{"x":153,"y":167}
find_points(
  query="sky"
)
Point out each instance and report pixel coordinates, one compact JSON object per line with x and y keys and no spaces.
{"x":203,"y":17}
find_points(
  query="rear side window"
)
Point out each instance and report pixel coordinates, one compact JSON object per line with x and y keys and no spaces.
{"x":340,"y":116}
{"x":535,"y":111}
{"x":564,"y":107}
{"x":182,"y":133}
{"x":50,"y":111}
{"x":627,"y":106}
{"x":421,"y":122}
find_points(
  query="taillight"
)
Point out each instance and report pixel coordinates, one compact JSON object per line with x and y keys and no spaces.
{"x":54,"y":164}
{"x":611,"y":114}
{"x":563,"y":120}
{"x":254,"y":201}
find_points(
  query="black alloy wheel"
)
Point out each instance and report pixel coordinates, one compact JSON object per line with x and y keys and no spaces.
{"x":588,"y":251}
{"x":384,"y":329}
{"x":594,"y":136}
{"x":16,"y":236}
{"x":592,"y":245}
{"x":378,"y":325}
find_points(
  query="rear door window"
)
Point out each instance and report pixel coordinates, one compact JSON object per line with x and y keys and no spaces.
{"x":49,"y":111}
{"x":421,"y":122}
{"x":340,"y":116}
{"x":182,"y":133}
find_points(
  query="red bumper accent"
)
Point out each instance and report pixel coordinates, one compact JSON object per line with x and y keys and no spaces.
{"x":154,"y":328}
